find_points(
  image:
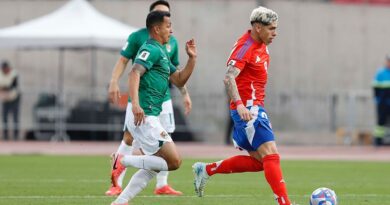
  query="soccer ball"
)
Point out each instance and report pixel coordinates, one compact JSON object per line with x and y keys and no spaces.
{"x":323,"y":196}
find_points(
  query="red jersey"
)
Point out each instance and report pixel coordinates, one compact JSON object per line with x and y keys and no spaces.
{"x":252,"y":58}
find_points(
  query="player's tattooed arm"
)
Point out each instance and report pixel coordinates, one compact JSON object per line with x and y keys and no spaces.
{"x":230,"y":82}
{"x":134,"y":78}
{"x":139,"y":69}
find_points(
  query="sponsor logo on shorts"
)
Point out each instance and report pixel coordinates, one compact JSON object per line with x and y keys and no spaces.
{"x":164,"y":134}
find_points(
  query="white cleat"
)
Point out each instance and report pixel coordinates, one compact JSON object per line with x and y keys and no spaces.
{"x":201,"y":177}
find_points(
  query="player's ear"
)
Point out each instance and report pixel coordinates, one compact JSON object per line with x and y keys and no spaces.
{"x":256,"y":27}
{"x":155,"y":29}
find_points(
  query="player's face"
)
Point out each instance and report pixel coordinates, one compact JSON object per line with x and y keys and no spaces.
{"x":165,"y":30}
{"x":161,"y":7}
{"x":268,"y":33}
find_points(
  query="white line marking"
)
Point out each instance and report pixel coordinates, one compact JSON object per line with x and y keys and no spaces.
{"x":187,"y":196}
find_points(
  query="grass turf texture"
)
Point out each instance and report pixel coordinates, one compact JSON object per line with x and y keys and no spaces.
{"x":82,"y":180}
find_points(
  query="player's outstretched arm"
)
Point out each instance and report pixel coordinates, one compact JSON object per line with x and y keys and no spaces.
{"x":113,"y":90}
{"x":186,"y":99}
{"x":231,"y":88}
{"x":180,"y":77}
{"x":134,"y":78}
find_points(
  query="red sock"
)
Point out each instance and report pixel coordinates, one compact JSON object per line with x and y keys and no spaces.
{"x":236,"y":164}
{"x":273,"y":174}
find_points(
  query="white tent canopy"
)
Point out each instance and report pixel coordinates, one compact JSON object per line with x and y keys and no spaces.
{"x":75,"y":25}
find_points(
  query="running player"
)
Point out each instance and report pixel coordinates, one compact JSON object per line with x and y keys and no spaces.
{"x":148,"y":84}
{"x":245,"y":82}
{"x":128,"y":52}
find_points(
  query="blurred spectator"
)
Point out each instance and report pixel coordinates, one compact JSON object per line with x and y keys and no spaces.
{"x":382,"y":99}
{"x":10,"y":97}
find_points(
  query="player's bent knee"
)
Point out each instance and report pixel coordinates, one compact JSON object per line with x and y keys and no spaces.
{"x":127,"y":138}
{"x":174,"y":164}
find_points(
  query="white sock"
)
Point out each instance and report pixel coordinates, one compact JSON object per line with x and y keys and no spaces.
{"x":123,"y":149}
{"x":137,"y":183}
{"x":145,"y":162}
{"x":162,"y":179}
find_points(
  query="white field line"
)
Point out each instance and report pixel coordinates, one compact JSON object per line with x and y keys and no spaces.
{"x":187,"y":196}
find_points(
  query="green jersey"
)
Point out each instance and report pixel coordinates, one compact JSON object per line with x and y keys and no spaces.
{"x":138,"y":38}
{"x":154,"y":82}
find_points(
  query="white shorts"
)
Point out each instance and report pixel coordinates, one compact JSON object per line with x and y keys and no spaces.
{"x":149,"y":136}
{"x":166,"y":116}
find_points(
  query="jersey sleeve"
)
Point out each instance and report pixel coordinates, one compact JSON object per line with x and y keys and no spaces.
{"x":175,"y":52}
{"x":147,"y":56}
{"x":130,"y":49}
{"x":172,"y":68}
{"x":239,"y":55}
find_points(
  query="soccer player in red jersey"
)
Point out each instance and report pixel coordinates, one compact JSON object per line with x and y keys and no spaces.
{"x":245,"y":82}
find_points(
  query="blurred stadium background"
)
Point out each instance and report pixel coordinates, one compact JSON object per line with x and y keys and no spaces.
{"x":319,"y":99}
{"x":319,"y":90}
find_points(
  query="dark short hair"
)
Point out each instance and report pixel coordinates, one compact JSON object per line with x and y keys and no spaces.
{"x":156,"y":17}
{"x":4,"y":64}
{"x":159,"y":2}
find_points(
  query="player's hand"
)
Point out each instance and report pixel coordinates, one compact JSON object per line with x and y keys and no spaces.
{"x":139,"y":115}
{"x":244,"y":113}
{"x":114,"y":93}
{"x":191,"y":48}
{"x":187,"y":104}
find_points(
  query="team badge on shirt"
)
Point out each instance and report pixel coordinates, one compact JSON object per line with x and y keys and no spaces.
{"x":168,"y":47}
{"x":144,"y":55}
{"x":258,"y":59}
{"x":232,"y":62}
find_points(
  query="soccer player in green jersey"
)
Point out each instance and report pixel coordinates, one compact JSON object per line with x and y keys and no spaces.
{"x":148,"y":83}
{"x":129,"y":51}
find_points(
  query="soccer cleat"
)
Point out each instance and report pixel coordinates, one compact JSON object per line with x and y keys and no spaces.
{"x":201,"y":177}
{"x":114,"y":191}
{"x":167,"y":190}
{"x":117,"y":170}
{"x":119,"y":204}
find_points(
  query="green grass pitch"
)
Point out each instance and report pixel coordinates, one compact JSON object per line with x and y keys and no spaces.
{"x":82,"y":180}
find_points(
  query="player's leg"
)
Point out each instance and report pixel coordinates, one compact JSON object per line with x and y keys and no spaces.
{"x":160,"y":151}
{"x":166,"y":159}
{"x":273,"y":172}
{"x":137,"y":183}
{"x":168,"y":122}
{"x":264,"y":143}
{"x":161,"y":154}
{"x":118,"y":173}
{"x":125,"y":148}
{"x":235,"y":164}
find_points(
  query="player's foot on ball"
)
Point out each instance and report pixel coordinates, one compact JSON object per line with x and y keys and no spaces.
{"x":167,"y":190}
{"x":117,"y":170}
{"x":201,"y":177}
{"x":114,"y":191}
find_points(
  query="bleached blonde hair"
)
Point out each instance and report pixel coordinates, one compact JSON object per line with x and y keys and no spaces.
{"x":263,"y":15}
